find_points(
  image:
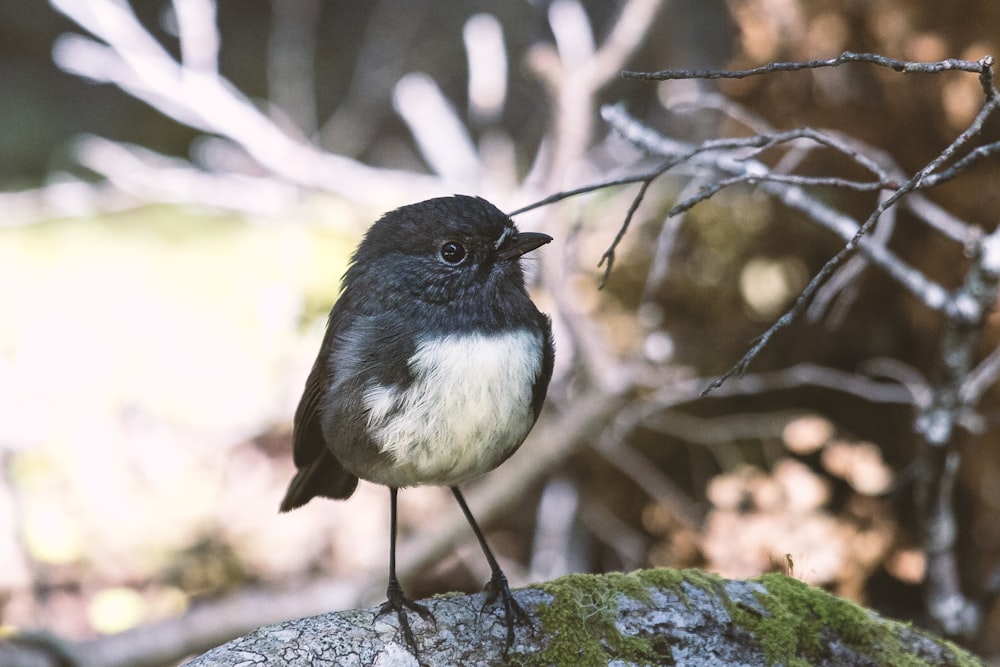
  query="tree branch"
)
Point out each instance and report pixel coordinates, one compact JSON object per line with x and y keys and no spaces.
{"x":902,"y":66}
{"x":198,"y":96}
{"x":647,"y":617}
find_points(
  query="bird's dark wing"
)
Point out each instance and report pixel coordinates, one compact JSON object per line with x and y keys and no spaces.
{"x":548,"y":360}
{"x":308,"y":432}
{"x":319,"y":472}
{"x":358,"y":351}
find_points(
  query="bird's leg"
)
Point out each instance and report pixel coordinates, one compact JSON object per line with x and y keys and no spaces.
{"x":497,"y":587}
{"x":396,"y":600}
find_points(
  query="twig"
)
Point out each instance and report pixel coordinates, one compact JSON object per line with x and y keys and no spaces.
{"x":645,"y":474}
{"x":965,"y":311}
{"x":962,"y":165}
{"x":147,"y":176}
{"x":201,"y":98}
{"x":938,"y":454}
{"x":573,"y":76}
{"x":932,"y":294}
{"x":935,"y":296}
{"x":805,"y":297}
{"x":844,"y":284}
{"x":806,"y":374}
{"x":902,"y":66}
{"x":609,"y":254}
{"x":660,"y":266}
{"x":586,"y":189}
{"x":440,"y":135}
{"x":981,"y":378}
{"x":876,"y":160}
{"x":942,"y":221}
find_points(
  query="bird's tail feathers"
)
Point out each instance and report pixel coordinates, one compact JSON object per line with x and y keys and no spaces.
{"x":324,"y":477}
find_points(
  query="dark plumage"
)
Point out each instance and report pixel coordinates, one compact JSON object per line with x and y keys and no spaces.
{"x":434,"y":365}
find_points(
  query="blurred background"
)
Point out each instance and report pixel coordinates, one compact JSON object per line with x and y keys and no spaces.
{"x":182,"y":184}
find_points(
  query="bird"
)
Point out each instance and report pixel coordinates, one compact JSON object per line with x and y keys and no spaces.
{"x":432,"y":371}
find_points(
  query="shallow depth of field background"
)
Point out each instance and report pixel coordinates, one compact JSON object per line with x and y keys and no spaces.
{"x":152,"y":351}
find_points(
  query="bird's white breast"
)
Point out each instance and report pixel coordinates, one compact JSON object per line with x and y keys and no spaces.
{"x":467,"y":408}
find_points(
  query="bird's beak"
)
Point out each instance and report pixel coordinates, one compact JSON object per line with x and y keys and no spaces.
{"x":520,"y":243}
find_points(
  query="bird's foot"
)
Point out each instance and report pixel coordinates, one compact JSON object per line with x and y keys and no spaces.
{"x":498,"y":591}
{"x":399,"y":603}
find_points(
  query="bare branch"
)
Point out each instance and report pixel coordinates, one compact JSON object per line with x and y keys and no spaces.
{"x":440,"y":134}
{"x":941,"y":220}
{"x":935,"y":296}
{"x":981,"y":378}
{"x":869,"y":389}
{"x":972,"y":157}
{"x":660,"y":266}
{"x":902,"y":66}
{"x":609,"y":254}
{"x":147,"y":176}
{"x":585,"y":189}
{"x":992,"y":102}
{"x":573,"y":78}
{"x":198,"y":34}
{"x":200,"y":98}
{"x":704,"y":156}
{"x":946,"y":401}
{"x":844,"y":284}
{"x":605,"y":612}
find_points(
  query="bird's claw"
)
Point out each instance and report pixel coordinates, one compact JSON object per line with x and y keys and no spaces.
{"x":499,"y":591}
{"x":396,"y":601}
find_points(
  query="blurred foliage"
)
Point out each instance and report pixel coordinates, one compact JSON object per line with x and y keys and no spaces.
{"x":126,"y":333}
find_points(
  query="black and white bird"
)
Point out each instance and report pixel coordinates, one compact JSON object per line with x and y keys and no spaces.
{"x":433,"y":369}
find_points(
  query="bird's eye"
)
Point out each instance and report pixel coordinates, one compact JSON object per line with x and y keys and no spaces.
{"x":452,"y":252}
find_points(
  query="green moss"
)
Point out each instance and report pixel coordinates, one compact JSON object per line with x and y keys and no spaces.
{"x":800,"y":620}
{"x":580,"y":620}
{"x":794,"y":624}
{"x":672,"y":580}
{"x":663,"y":578}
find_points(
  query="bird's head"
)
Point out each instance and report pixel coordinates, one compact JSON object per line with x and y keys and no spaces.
{"x":455,"y":252}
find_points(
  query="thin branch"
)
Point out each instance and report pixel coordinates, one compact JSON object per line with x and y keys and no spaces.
{"x":970,"y":158}
{"x":198,"y":34}
{"x":147,"y":176}
{"x":593,"y":187}
{"x":805,"y":297}
{"x":825,"y":181}
{"x":812,"y":375}
{"x":660,"y":266}
{"x":975,"y":127}
{"x":844,"y":285}
{"x":441,"y":136}
{"x":942,"y":220}
{"x":981,"y":378}
{"x":682,"y":153}
{"x":876,"y":160}
{"x":609,"y":254}
{"x":931,"y":293}
{"x":648,"y":477}
{"x":831,"y":141}
{"x":133,"y":60}
{"x":934,"y":295}
{"x":573,"y":75}
{"x":707,"y":192}
{"x":902,"y":66}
